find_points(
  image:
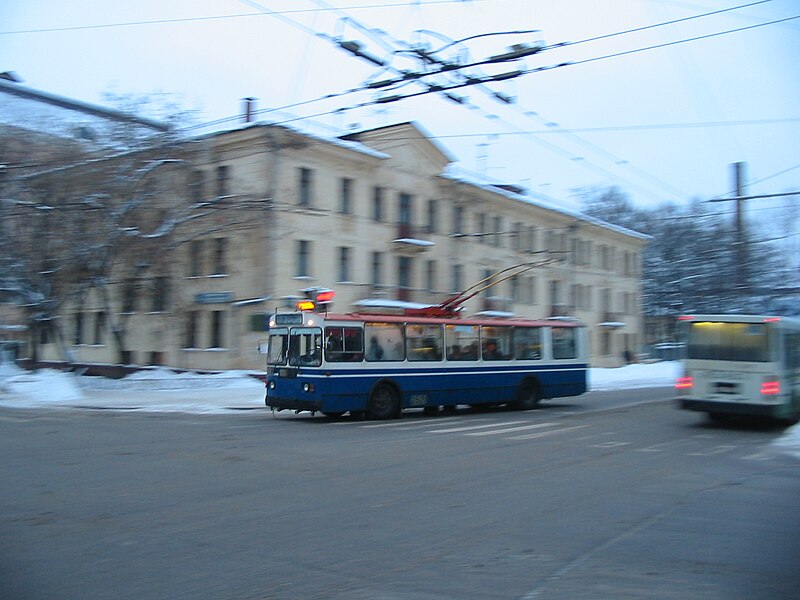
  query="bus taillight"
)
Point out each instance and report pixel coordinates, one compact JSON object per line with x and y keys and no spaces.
{"x":684,"y":383}
{"x":770,"y":387}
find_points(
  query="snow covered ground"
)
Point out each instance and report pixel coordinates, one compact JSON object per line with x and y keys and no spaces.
{"x":161,"y":390}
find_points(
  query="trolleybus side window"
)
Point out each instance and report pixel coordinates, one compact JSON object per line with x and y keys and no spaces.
{"x":305,"y":346}
{"x":384,"y":341}
{"x":461,"y":342}
{"x":565,"y":342}
{"x":278,"y":343}
{"x":496,"y":342}
{"x":424,"y":342}
{"x":344,"y":344}
{"x":528,"y":343}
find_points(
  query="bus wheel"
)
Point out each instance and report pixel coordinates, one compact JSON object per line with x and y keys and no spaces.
{"x":384,"y":403}
{"x":527,"y":396}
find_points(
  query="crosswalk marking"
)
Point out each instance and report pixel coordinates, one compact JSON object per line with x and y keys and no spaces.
{"x":511,"y":429}
{"x":457,"y":429}
{"x":531,"y":436}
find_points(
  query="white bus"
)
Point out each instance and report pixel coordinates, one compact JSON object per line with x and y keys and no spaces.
{"x":741,"y":365}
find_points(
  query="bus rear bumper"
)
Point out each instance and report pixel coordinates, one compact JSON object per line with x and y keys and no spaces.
{"x":731,"y":408}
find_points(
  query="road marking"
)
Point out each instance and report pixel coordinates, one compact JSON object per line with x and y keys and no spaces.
{"x":437,"y":422}
{"x":510,"y":429}
{"x":660,"y":447}
{"x":531,"y":436}
{"x":457,"y":429}
{"x":610,"y":444}
{"x":715,"y":450}
{"x":432,"y":422}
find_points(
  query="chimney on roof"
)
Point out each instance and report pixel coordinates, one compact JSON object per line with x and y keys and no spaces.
{"x":11,"y":76}
{"x":249,"y":109}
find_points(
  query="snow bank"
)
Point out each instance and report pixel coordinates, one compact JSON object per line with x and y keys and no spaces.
{"x":46,"y":386}
{"x":635,"y":376}
{"x":161,"y":378}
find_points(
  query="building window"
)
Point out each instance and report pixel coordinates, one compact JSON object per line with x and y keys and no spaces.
{"x":458,"y":220}
{"x":487,"y":279}
{"x":481,"y":218}
{"x":404,"y":277}
{"x":160,"y":294}
{"x":305,"y":181}
{"x":196,"y":186}
{"x":605,"y":300}
{"x":303,"y":258}
{"x":377,"y":204}
{"x":605,"y":342}
{"x":458,"y":278}
{"x":498,"y":232}
{"x":514,"y":289}
{"x":555,"y":292}
{"x":220,"y":250}
{"x":129,"y":296}
{"x":346,"y":196}
{"x":196,"y":258}
{"x":530,"y":290}
{"x":430,"y":275}
{"x":78,"y":329}
{"x":377,"y":269}
{"x":433,"y":216}
{"x":223,"y":176}
{"x":99,"y":327}
{"x":344,"y":263}
{"x":192,"y":324}
{"x":216,"y":329}
{"x":516,"y":239}
{"x":156,"y":359}
{"x":406,"y":209}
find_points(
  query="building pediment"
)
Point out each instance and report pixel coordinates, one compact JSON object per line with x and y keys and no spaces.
{"x":409,"y":146}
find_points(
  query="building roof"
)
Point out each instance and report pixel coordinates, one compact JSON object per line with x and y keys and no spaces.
{"x":14,"y":90}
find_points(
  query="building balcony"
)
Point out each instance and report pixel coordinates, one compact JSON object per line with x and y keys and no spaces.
{"x":611,"y":320}
{"x":412,"y":240}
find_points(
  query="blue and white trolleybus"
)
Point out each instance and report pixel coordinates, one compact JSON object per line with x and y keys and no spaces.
{"x":377,"y":361}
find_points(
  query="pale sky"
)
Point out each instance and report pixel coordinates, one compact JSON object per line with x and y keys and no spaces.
{"x":662,"y":124}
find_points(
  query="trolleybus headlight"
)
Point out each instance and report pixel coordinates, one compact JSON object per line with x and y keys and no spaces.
{"x":307,"y":387}
{"x":271,"y":384}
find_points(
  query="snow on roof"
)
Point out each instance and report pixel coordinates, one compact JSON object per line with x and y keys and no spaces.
{"x":305,"y":127}
{"x":25,"y":105}
{"x":457,"y":174}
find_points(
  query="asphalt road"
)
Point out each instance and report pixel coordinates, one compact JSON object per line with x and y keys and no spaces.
{"x":579,"y":499}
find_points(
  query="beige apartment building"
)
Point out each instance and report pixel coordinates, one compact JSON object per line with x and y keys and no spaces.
{"x":377,"y":214}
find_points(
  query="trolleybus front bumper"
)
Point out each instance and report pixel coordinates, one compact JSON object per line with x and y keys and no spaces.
{"x":293,"y":404}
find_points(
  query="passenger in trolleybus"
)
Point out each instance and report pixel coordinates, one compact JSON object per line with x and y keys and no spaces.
{"x":375,"y":351}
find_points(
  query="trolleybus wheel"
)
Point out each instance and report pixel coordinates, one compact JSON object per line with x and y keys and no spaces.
{"x":527,"y":396}
{"x":333,"y":415}
{"x":384,"y":403}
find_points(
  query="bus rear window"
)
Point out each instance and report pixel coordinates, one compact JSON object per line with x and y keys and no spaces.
{"x":729,"y":341}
